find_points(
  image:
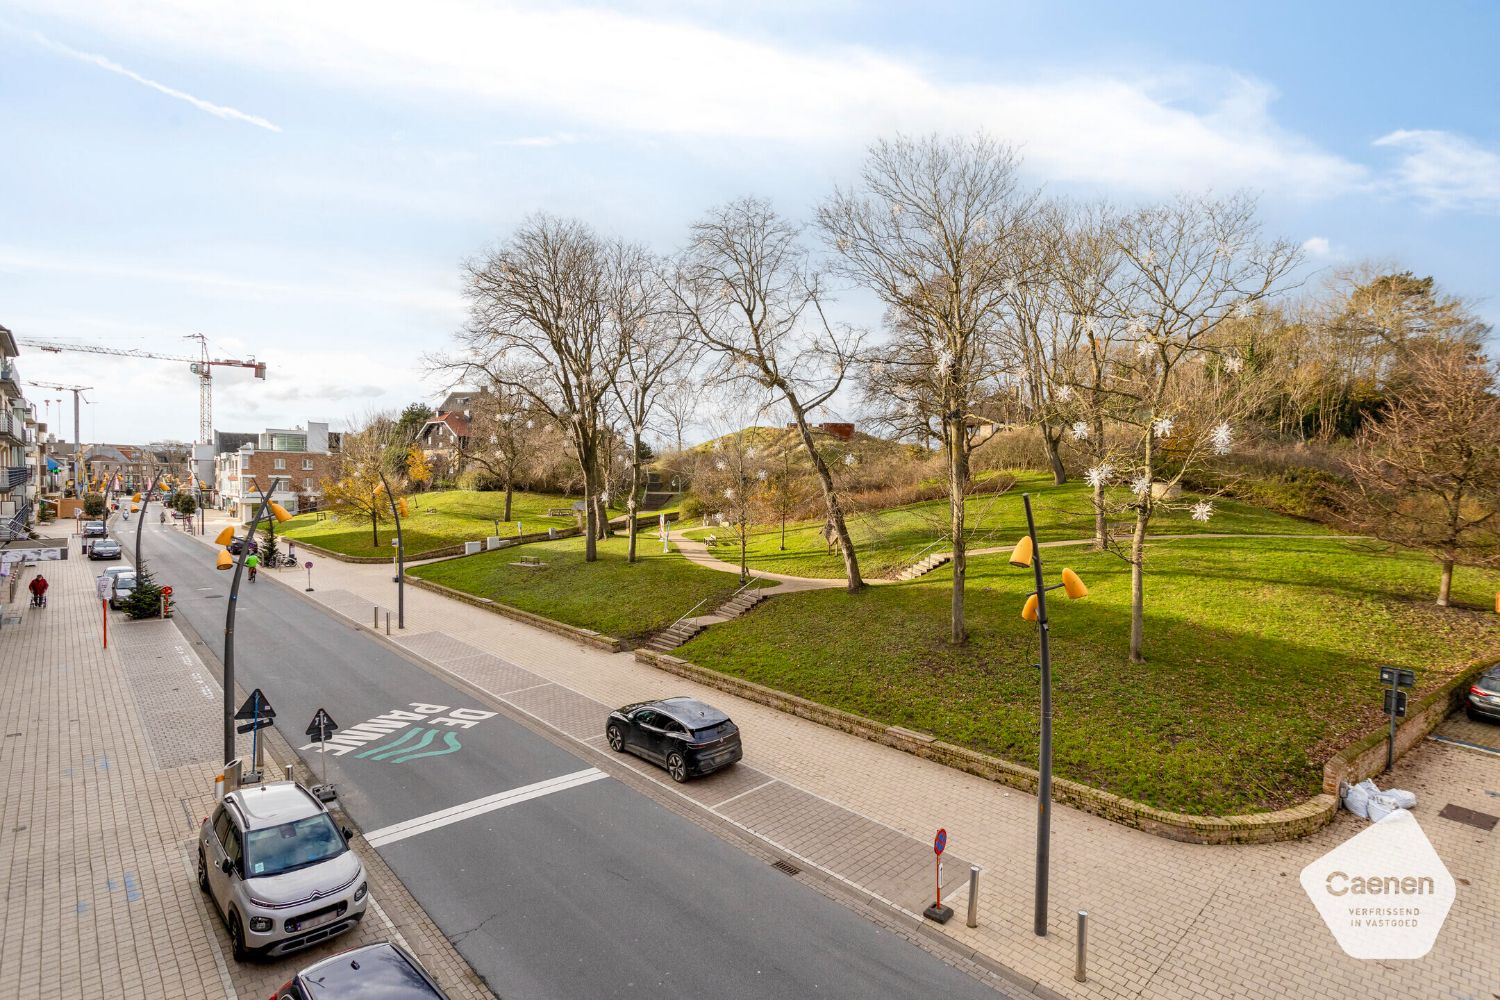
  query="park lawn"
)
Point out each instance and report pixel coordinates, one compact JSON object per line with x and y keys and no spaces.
{"x":890,"y":539}
{"x":455,"y":516}
{"x":1263,"y":659}
{"x":610,"y":595}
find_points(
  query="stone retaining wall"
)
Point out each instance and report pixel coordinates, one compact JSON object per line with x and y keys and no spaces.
{"x":1255,"y":828}
{"x":606,"y":642}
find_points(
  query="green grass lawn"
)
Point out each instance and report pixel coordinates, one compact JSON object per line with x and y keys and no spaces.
{"x":610,"y":595}
{"x":889,"y":539}
{"x":458,"y":516}
{"x":1263,"y":660}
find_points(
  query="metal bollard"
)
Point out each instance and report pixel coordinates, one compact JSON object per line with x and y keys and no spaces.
{"x":973,"y":920}
{"x":289,"y":773}
{"x":387,"y":623}
{"x":375,"y":612}
{"x":1081,"y":971}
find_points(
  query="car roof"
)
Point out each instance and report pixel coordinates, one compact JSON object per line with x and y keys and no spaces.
{"x":274,"y":803}
{"x":375,"y":972}
{"x":691,"y":712}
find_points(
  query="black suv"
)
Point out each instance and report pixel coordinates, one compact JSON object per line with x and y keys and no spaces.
{"x":375,"y":972}
{"x":682,"y":734}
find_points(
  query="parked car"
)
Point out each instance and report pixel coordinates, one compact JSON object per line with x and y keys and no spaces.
{"x":114,"y":571}
{"x":279,"y":872}
{"x":122,"y":586}
{"x":684,"y":735}
{"x":237,"y":543}
{"x":375,"y":972}
{"x":94,"y":529}
{"x":1484,"y":696}
{"x":104,"y":548}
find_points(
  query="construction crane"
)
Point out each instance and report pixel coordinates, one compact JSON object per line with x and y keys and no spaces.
{"x":201,"y":366}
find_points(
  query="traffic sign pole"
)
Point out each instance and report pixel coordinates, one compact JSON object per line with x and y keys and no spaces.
{"x":937,"y":911}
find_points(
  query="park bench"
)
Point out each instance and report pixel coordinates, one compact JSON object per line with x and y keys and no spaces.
{"x":559,"y":512}
{"x":711,"y":540}
{"x":530,"y":562}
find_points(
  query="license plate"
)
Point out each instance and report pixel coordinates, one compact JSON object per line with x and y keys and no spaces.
{"x":312,"y":922}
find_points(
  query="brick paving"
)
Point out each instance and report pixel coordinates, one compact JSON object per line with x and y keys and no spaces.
{"x":1168,"y":920}
{"x":106,"y":768}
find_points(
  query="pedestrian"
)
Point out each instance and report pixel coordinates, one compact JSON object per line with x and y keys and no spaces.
{"x":252,"y":561}
{"x":38,"y":588}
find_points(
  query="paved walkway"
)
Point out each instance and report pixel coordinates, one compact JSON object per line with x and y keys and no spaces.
{"x":696,"y":551}
{"x":107,"y":767}
{"x":1167,"y":919}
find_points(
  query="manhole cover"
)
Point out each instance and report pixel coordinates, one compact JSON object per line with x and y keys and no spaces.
{"x":1459,"y":814}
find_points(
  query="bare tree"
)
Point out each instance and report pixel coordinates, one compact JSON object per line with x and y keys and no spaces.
{"x":747,"y":291}
{"x":540,"y":325}
{"x":729,"y":478}
{"x":1188,"y":268}
{"x":653,"y":350}
{"x":503,"y":437}
{"x":357,"y":490}
{"x":933,"y":230}
{"x":1428,"y":472}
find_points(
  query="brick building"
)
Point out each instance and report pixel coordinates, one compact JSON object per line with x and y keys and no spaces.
{"x":300,"y":459}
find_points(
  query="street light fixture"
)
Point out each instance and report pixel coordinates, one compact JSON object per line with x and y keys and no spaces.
{"x":1028,"y":554}
{"x":225,"y":561}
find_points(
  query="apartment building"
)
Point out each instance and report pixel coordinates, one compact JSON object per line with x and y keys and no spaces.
{"x":296,"y":459}
{"x":18,"y":430}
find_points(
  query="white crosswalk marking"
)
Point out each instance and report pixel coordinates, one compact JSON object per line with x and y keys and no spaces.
{"x":478,"y":807}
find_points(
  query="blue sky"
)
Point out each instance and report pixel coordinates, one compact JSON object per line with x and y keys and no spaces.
{"x":300,"y":181}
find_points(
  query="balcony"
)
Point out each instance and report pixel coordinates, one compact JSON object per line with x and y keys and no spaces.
{"x":10,"y":376}
{"x":12,"y":476}
{"x":12,"y":428}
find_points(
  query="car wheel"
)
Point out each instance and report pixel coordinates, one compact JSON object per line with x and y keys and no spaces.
{"x":616,"y":739}
{"x":676,"y":767}
{"x":237,"y":938}
{"x":202,"y":872}
{"x":1469,"y":711}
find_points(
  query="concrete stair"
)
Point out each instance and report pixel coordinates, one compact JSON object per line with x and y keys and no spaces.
{"x":656,"y":497}
{"x":680,"y":632}
{"x":926,"y":566}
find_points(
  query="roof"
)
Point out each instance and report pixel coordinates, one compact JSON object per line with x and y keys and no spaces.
{"x":691,"y":712}
{"x":275,"y":803}
{"x":378,"y":972}
{"x":226,"y":441}
{"x":8,"y":347}
{"x":454,"y":421}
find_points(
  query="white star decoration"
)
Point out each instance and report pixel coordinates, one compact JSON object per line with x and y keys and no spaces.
{"x":1099,"y":475}
{"x":1080,"y":431}
{"x":1202,"y":510}
{"x":1162,"y":428}
{"x":1222,"y":437}
{"x":1141,"y":485}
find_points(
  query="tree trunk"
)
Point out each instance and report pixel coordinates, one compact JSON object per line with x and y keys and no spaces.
{"x":830,"y":499}
{"x":374,"y":530}
{"x":958,"y":482}
{"x":1445,"y":586}
{"x":1054,"y":455}
{"x":1138,"y":586}
{"x":744,"y":562}
{"x":1101,"y":519}
{"x":635,"y":488}
{"x":508,"y":490}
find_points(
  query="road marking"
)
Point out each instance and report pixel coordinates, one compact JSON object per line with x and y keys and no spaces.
{"x":757,"y":788}
{"x":478,"y":807}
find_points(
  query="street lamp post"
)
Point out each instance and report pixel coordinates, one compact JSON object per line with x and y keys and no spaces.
{"x":397,"y":504}
{"x":1028,"y":553}
{"x":141,"y":524}
{"x":225,"y":561}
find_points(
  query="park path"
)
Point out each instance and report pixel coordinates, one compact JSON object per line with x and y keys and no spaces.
{"x":695,"y":551}
{"x":1169,"y":921}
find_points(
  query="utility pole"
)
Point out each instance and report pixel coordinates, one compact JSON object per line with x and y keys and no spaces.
{"x":77,"y":435}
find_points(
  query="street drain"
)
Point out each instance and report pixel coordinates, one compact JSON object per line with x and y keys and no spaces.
{"x":1482,"y":821}
{"x":787,"y":867}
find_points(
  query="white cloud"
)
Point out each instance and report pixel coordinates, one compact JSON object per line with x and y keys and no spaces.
{"x":541,"y":141}
{"x":1317,"y":246}
{"x":217,"y":110}
{"x":649,"y":75}
{"x":1445,"y":170}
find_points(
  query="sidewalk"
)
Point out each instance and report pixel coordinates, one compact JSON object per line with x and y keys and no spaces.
{"x":1166,"y":919}
{"x":106,"y":769}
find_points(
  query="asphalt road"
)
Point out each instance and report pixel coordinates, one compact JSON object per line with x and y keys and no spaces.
{"x":595,"y":890}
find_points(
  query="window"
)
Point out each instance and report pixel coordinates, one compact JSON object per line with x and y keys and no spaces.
{"x":279,"y":463}
{"x":307,"y":465}
{"x":307,"y":483}
{"x":646,"y":717}
{"x":221,"y":826}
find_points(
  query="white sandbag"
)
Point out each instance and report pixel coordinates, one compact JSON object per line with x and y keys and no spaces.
{"x":1357,"y":801}
{"x":1402,"y":798}
{"x":1369,"y":786}
{"x":1381,"y":806}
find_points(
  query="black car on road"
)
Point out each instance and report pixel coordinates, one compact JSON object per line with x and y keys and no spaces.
{"x":105,"y":548}
{"x":1484,"y":696}
{"x":235,"y":544}
{"x":684,"y":735}
{"x":375,"y":972}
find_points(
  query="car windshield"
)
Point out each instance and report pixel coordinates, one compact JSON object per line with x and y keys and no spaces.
{"x":125,"y":581}
{"x":290,"y":846}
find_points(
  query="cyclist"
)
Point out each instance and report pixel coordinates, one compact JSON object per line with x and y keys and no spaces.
{"x":252,"y":561}
{"x":38,"y":588}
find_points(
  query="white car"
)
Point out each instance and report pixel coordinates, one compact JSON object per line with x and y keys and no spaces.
{"x":279,"y":871}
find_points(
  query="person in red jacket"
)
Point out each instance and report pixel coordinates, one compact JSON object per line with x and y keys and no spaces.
{"x":38,"y":588}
